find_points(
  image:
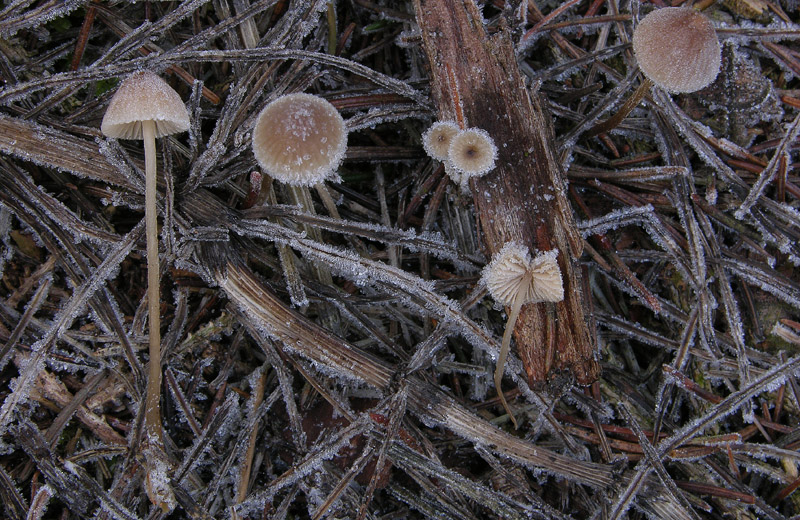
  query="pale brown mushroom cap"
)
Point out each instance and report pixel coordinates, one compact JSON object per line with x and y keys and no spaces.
{"x":505,"y":276}
{"x":436,"y":140}
{"x":143,"y":96}
{"x":472,"y":153}
{"x":300,"y":139}
{"x":677,"y":48}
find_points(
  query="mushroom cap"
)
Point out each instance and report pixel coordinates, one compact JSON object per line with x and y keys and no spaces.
{"x":300,"y":139}
{"x":472,"y":153}
{"x":505,"y":276}
{"x":144,"y":96}
{"x":436,"y":140}
{"x":677,"y":48}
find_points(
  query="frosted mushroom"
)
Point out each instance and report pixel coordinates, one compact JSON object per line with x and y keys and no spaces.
{"x":677,"y":49}
{"x":436,"y":140}
{"x":300,"y":139}
{"x":145,"y":107}
{"x":472,"y":153}
{"x":513,"y":279}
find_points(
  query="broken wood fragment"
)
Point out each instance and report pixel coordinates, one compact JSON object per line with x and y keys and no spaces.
{"x":523,"y":199}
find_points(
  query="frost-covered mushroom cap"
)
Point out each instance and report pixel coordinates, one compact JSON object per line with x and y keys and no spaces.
{"x":436,"y":140}
{"x":677,"y":48}
{"x":472,"y":153}
{"x":144,"y":96}
{"x":300,"y":139}
{"x":512,"y":271}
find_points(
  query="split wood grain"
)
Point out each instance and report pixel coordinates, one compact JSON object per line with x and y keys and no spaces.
{"x":524,"y":198}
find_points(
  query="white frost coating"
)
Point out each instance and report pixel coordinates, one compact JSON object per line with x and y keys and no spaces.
{"x":769,"y":281}
{"x":157,"y":481}
{"x":115,"y":157}
{"x":64,"y":319}
{"x":5,"y":228}
{"x":615,"y":219}
{"x":300,"y":139}
{"x":771,"y":170}
{"x":312,"y":462}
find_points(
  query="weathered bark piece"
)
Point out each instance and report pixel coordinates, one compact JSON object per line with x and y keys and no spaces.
{"x":298,"y":334}
{"x":523,"y":199}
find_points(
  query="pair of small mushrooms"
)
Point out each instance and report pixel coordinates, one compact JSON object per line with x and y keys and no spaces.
{"x":299,"y":139}
{"x":465,"y":153}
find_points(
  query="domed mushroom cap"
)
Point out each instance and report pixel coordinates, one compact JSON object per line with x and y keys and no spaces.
{"x":436,"y":140}
{"x":512,"y":271}
{"x":144,"y":96}
{"x":472,"y":152}
{"x":677,"y":48}
{"x":299,"y":139}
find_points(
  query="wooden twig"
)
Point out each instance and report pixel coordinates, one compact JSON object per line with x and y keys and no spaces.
{"x":523,"y":198}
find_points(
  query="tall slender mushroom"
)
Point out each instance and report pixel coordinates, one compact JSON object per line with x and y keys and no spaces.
{"x":145,"y":107}
{"x":514,"y":279}
{"x":677,"y":49}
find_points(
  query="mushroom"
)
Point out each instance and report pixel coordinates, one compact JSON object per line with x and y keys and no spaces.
{"x":145,"y":107}
{"x":677,"y":49}
{"x":300,"y":139}
{"x":436,"y":140}
{"x":472,"y":153}
{"x":513,"y":279}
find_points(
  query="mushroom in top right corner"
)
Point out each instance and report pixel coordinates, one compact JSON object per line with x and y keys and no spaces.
{"x":677,"y":49}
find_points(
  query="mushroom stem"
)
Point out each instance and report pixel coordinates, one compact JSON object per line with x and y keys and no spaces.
{"x":614,"y":121}
{"x":516,"y":307}
{"x":153,"y":397}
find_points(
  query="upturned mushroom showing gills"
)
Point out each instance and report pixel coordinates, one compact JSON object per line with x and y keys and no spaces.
{"x":436,"y":139}
{"x":300,"y":139}
{"x":472,"y":152}
{"x":145,"y":107}
{"x":513,"y":279}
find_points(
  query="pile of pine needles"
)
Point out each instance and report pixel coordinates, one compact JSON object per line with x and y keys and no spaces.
{"x":341,"y":366}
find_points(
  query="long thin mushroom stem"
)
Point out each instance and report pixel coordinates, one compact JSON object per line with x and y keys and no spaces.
{"x":153,"y":397}
{"x":516,"y":307}
{"x":327,"y":200}
{"x":614,"y":121}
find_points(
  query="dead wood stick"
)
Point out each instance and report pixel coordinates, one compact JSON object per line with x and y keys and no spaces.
{"x":298,"y":334}
{"x":523,"y":199}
